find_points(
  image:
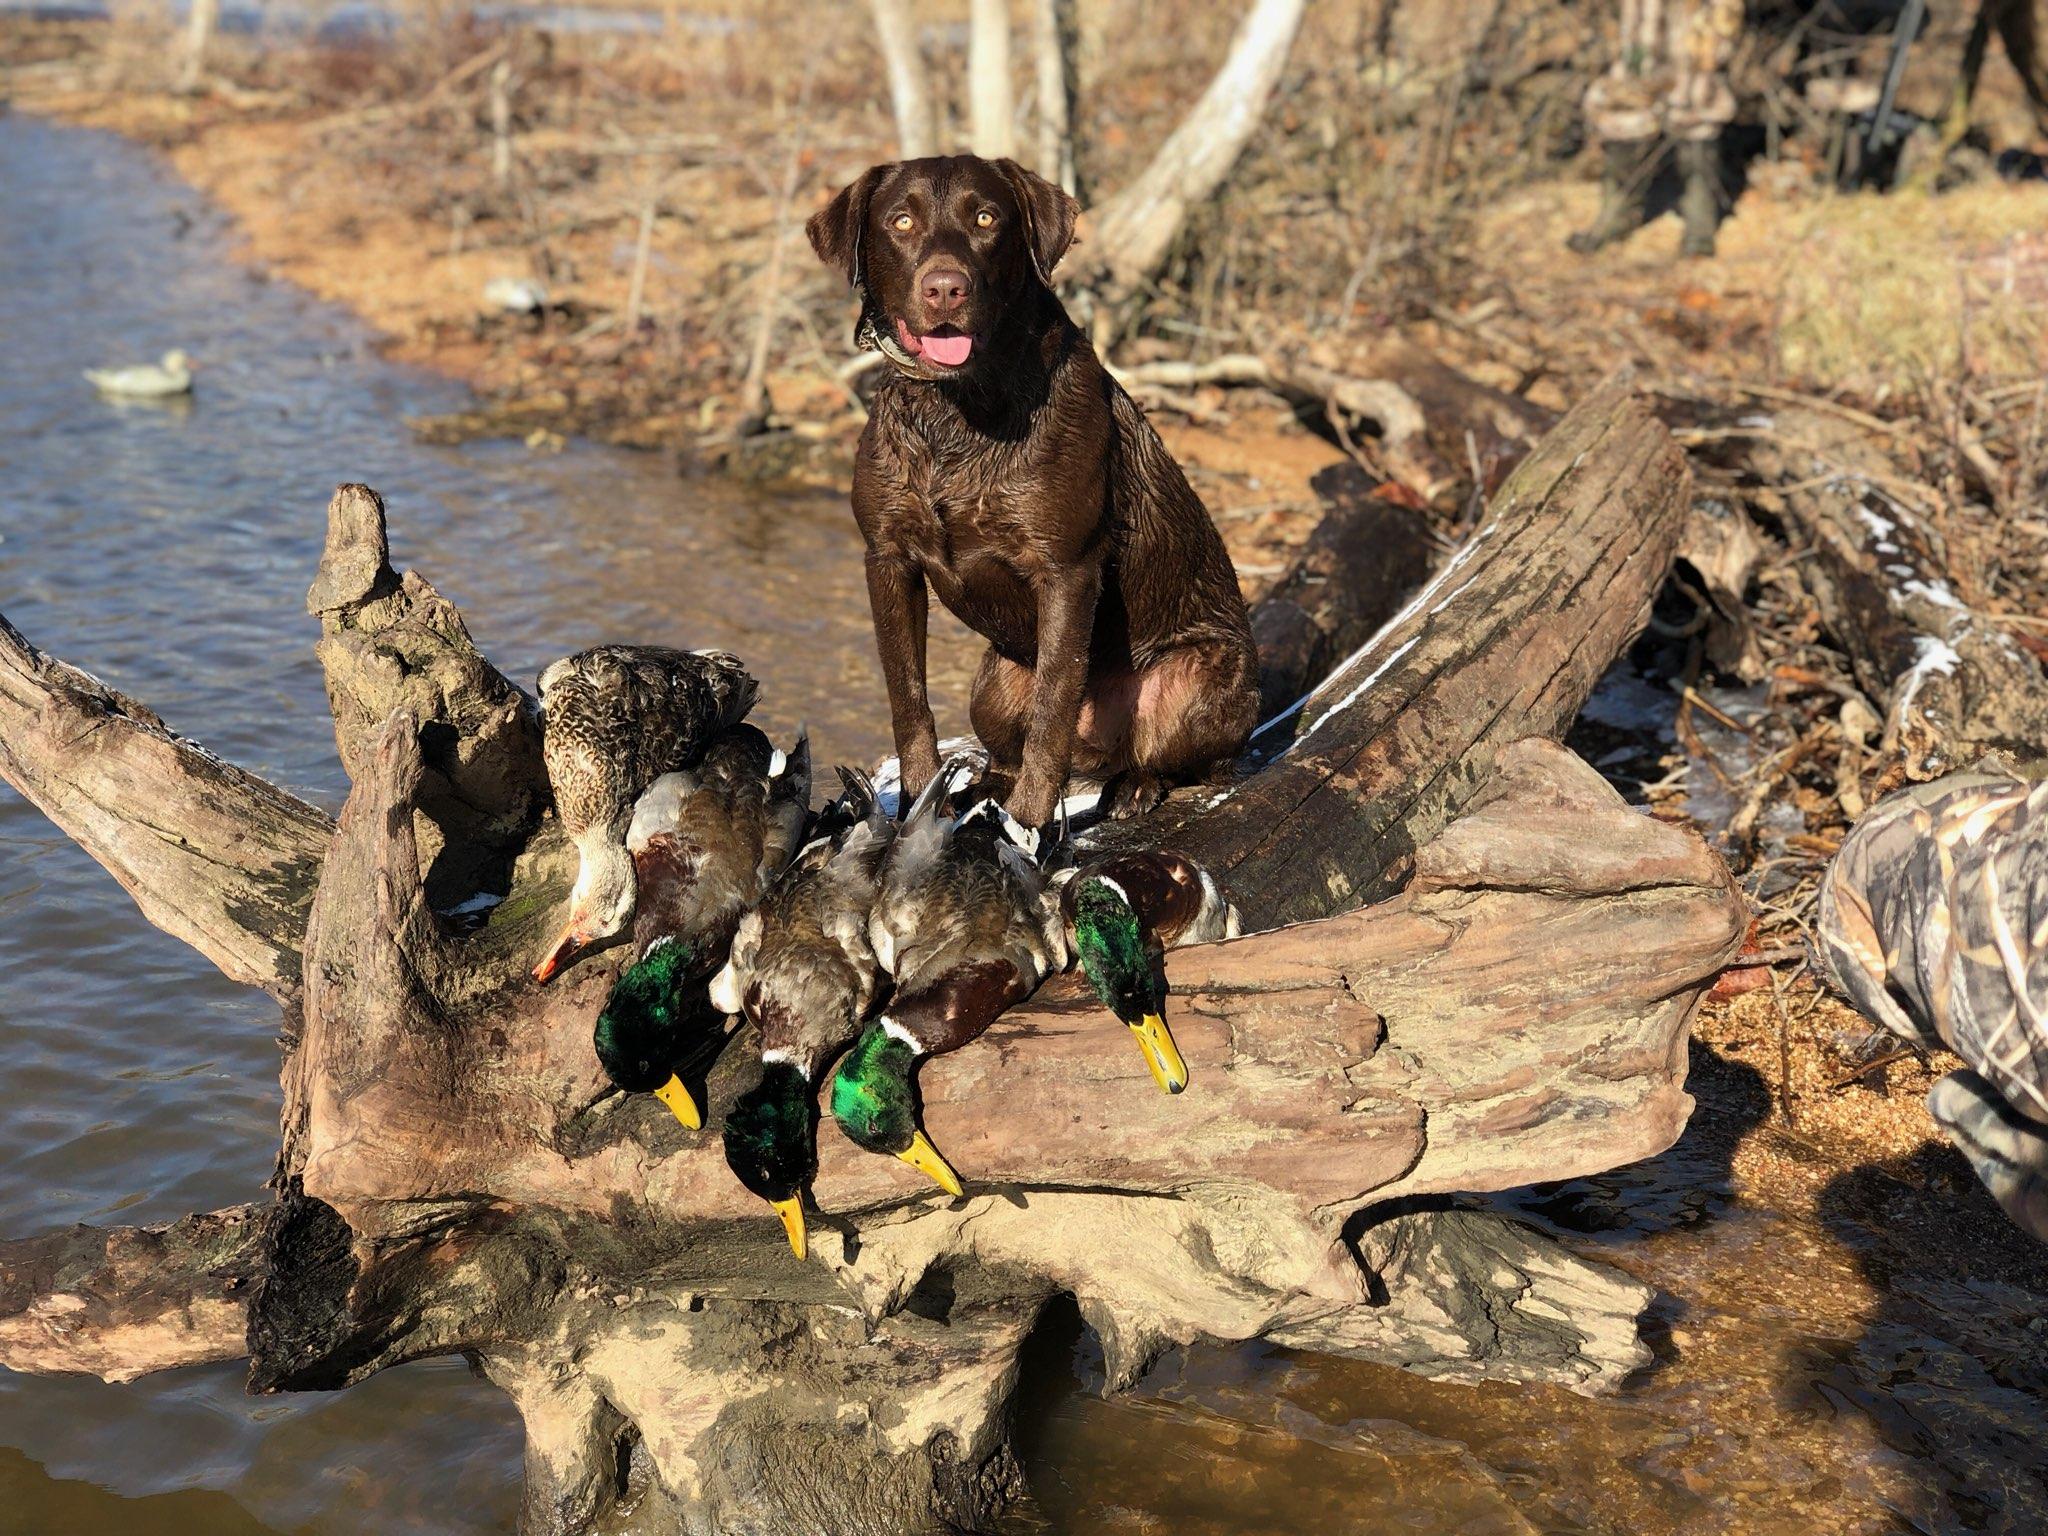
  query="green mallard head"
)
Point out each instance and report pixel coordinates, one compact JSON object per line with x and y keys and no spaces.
{"x":645,"y":1027}
{"x":770,"y":1146}
{"x":875,"y":1103}
{"x":1112,"y":948}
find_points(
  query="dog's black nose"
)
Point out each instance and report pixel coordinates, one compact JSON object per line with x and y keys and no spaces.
{"x":945,"y":289}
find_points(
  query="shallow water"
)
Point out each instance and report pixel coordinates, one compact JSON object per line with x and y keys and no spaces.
{"x":167,"y":549}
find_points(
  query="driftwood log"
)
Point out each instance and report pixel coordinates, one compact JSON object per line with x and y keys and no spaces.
{"x":1506,"y":641}
{"x":453,"y":1179}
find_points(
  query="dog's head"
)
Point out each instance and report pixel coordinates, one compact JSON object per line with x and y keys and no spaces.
{"x":940,"y":251}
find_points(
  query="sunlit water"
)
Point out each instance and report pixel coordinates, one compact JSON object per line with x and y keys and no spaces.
{"x":167,"y":549}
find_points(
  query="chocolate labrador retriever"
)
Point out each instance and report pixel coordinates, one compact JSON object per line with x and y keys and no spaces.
{"x":1002,"y":466}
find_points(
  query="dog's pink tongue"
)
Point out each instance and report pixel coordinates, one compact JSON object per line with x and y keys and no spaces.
{"x":948,"y":351}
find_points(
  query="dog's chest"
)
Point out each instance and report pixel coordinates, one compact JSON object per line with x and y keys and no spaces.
{"x":968,"y":510}
{"x":967,"y":526}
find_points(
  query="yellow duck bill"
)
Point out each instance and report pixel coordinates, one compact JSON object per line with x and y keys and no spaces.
{"x":792,"y":1213}
{"x":680,"y":1103}
{"x":925,"y":1158}
{"x":1161,"y":1054}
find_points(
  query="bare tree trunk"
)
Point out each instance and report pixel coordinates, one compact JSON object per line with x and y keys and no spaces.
{"x":756,"y":407}
{"x":910,"y":87}
{"x":1052,"y":36}
{"x":1135,"y":230}
{"x":200,"y":23}
{"x":992,"y":104}
{"x":501,"y":81}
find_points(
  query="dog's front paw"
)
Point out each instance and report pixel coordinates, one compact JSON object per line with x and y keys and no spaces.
{"x":1133,"y":794}
{"x":916,"y":767}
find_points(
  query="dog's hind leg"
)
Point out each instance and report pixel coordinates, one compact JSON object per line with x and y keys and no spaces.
{"x":999,"y":709}
{"x":1196,"y":708}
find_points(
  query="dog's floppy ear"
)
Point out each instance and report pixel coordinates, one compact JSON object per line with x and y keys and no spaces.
{"x":1049,"y":215}
{"x":837,"y":229}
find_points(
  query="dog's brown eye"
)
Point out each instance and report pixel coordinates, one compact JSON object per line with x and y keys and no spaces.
{"x":901,"y":223}
{"x":985,"y":219}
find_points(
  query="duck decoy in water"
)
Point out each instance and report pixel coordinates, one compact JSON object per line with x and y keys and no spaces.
{"x":614,"y":719}
{"x":515,"y":295}
{"x":1934,"y":921}
{"x":804,"y":974}
{"x":146,"y":381}
{"x":1123,"y":911}
{"x":965,"y":926}
{"x":705,"y":844}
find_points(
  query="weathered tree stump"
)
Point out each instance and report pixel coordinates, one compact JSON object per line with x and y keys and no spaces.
{"x":453,"y":1178}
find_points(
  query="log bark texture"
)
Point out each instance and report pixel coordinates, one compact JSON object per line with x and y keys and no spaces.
{"x":213,"y":855}
{"x":1506,"y":641}
{"x":454,"y":1178}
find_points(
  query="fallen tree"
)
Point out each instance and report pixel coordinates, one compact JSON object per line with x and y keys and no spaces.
{"x":1948,"y":682}
{"x":1506,"y":641}
{"x":1438,"y":431}
{"x":453,"y":1178}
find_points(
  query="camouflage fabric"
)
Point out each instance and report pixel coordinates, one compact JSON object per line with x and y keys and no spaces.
{"x":1934,"y":922}
{"x":1669,"y":77}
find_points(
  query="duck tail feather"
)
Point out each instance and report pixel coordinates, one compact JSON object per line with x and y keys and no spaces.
{"x":857,"y":793}
{"x":935,"y":794}
{"x":790,"y":773}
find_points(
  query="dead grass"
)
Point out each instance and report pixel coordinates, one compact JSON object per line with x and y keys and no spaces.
{"x":1883,"y":292}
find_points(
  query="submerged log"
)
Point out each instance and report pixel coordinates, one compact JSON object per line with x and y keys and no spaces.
{"x":120,"y":1302}
{"x":454,"y":1178}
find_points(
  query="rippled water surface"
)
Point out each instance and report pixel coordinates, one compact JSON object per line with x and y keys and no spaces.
{"x":168,"y":549}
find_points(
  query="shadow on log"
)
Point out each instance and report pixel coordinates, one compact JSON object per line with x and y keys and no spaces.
{"x":1365,"y":558}
{"x":454,"y":1178}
